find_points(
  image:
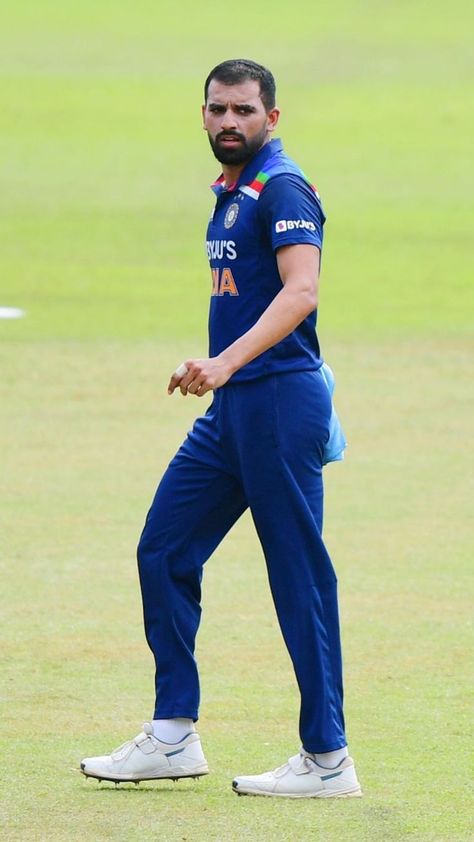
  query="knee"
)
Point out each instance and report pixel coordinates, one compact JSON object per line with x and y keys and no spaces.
{"x":147,"y":551}
{"x":157,"y":555}
{"x":141,"y":551}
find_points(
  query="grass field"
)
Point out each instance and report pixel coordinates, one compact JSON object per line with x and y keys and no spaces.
{"x":104,"y":196}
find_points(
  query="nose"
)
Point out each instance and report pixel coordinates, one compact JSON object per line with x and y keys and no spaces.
{"x":228,"y":121}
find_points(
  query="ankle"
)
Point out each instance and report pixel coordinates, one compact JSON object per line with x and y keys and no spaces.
{"x":331,"y":759}
{"x":172,"y":730}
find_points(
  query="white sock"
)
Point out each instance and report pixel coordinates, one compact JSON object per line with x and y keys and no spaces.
{"x":331,"y":759}
{"x":172,"y":730}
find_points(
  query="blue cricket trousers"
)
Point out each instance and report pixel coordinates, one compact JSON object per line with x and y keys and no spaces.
{"x":259,"y":445}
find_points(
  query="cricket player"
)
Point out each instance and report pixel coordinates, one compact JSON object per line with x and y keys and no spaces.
{"x":261,"y":445}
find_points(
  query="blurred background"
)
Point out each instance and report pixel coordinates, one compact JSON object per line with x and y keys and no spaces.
{"x":104,"y":163}
{"x":104,"y":201}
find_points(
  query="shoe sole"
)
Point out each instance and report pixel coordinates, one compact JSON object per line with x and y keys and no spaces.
{"x":356,"y":793}
{"x":100,"y":778}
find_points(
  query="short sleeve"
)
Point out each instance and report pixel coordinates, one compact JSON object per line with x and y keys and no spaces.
{"x":290,"y":212}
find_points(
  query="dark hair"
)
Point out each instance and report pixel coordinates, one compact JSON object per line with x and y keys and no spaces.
{"x":237,"y":70}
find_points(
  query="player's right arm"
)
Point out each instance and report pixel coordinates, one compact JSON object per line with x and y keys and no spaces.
{"x":298,"y":266}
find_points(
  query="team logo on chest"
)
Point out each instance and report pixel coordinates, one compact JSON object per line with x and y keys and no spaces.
{"x":231,"y":215}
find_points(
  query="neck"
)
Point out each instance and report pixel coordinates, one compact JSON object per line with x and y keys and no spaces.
{"x":232,"y":172}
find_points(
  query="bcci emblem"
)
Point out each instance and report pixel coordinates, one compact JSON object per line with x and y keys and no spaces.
{"x":231,"y":216}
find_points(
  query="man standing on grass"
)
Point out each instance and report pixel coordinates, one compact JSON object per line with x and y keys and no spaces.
{"x":261,"y":444}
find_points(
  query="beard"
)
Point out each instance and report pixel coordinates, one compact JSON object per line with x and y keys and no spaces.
{"x":239,"y":154}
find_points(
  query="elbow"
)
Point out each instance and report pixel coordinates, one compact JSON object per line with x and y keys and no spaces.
{"x":310,"y":301}
{"x":302,"y":299}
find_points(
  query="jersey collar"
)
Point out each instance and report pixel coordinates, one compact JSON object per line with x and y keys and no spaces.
{"x":251,"y":170}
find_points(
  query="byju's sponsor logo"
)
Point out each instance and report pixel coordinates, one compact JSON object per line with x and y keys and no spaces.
{"x":219,"y":249}
{"x":293,"y":224}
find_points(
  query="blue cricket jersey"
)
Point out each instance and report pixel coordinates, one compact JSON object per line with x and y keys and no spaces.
{"x":271,"y":205}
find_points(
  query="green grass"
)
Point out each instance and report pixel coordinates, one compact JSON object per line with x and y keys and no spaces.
{"x":104,"y":200}
{"x":88,"y":433}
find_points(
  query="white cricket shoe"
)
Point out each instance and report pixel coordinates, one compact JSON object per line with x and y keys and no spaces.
{"x":145,"y":758}
{"x":301,"y":777}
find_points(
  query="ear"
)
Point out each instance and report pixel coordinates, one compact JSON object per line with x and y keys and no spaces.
{"x":272,"y":119}
{"x":203,"y":112}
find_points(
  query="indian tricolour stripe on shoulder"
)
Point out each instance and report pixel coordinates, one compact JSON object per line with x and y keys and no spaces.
{"x":256,"y":186}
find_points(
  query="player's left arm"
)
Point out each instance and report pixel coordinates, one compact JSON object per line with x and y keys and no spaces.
{"x":298,"y":266}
